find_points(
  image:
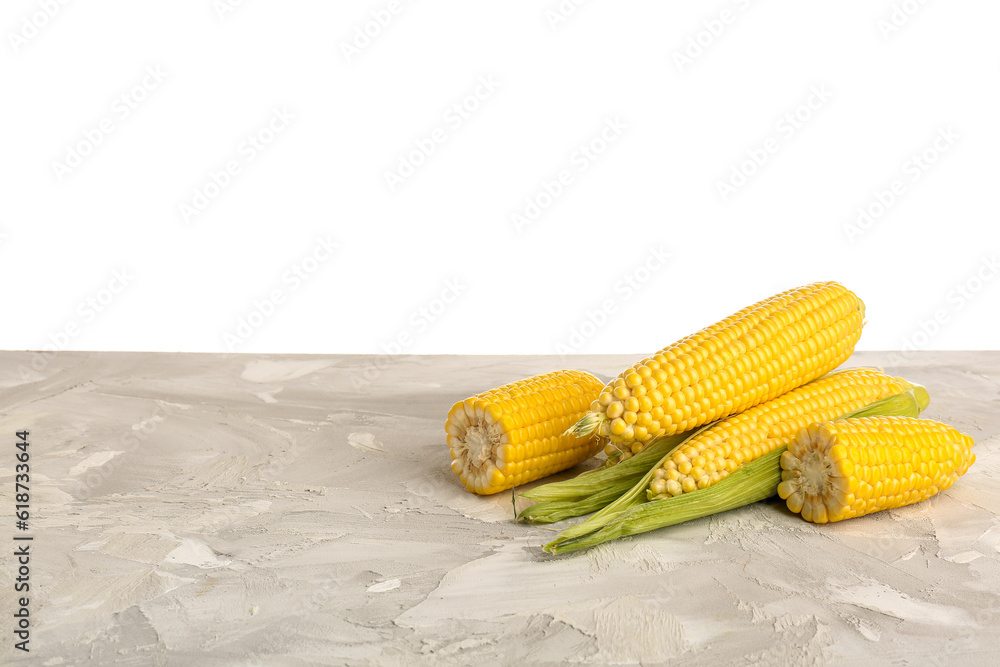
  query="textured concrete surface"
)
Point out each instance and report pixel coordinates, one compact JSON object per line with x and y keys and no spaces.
{"x":266,"y":509}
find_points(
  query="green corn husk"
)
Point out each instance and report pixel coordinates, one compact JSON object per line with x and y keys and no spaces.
{"x":590,"y":491}
{"x":634,"y":513}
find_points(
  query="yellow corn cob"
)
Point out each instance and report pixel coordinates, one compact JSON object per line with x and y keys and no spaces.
{"x":711,"y":455}
{"x":753,"y":356}
{"x":515,"y":434}
{"x":849,"y":468}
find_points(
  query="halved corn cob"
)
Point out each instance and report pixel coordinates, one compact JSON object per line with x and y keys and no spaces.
{"x":840,"y":470}
{"x":710,"y":456}
{"x":642,"y":509}
{"x":515,"y":434}
{"x":753,"y":356}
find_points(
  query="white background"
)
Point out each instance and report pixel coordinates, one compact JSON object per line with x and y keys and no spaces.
{"x":893,"y":82}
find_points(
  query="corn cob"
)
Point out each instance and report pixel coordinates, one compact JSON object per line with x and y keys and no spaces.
{"x":840,"y":470}
{"x":751,"y":357}
{"x":710,"y":456}
{"x":642,"y":509}
{"x":698,"y":460}
{"x":515,"y":434}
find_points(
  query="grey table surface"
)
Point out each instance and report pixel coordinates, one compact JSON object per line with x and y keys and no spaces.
{"x":288,"y":509}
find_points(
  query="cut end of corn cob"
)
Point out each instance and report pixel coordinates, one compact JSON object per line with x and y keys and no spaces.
{"x":853,"y":467}
{"x":751,"y":357}
{"x":516,"y":433}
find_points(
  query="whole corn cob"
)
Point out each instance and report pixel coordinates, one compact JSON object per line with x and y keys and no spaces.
{"x":710,"y":456}
{"x":751,"y":357}
{"x":644,"y":508}
{"x":515,"y":434}
{"x":840,"y":470}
